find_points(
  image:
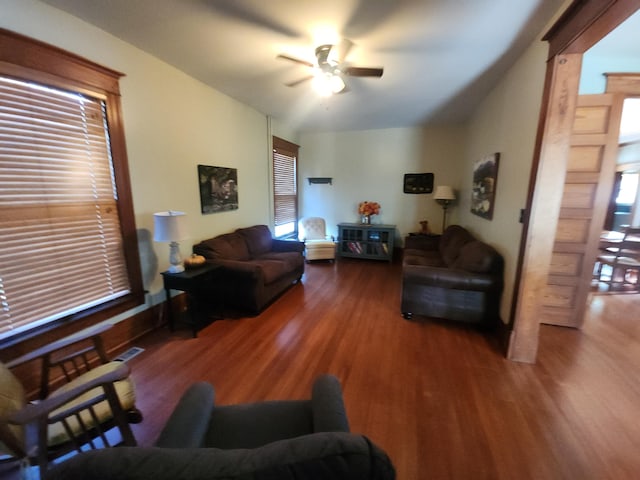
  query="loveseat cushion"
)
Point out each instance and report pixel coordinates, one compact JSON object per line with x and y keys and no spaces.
{"x":452,"y":240}
{"x":272,"y":270}
{"x":230,"y":246}
{"x":334,"y":455}
{"x":258,"y":239}
{"x":478,"y":257}
{"x":291,"y":260}
{"x":429,"y":258}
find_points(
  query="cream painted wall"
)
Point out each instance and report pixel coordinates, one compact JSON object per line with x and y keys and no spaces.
{"x":172,"y":124}
{"x":370,"y":165}
{"x":506,"y":122}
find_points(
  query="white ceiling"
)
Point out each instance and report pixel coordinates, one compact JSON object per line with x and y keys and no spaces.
{"x":440,"y":57}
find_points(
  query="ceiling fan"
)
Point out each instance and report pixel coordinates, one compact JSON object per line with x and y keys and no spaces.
{"x":328,"y":73}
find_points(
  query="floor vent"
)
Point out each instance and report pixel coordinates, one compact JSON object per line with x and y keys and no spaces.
{"x":129,"y":354}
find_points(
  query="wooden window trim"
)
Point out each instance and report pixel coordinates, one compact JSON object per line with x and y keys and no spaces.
{"x":28,"y":59}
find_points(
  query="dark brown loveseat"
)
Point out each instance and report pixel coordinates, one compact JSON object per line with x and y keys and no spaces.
{"x":256,"y":268}
{"x":456,"y":277}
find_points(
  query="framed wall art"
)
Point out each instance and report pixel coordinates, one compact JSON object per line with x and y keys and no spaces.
{"x":218,"y":189}
{"x":418,"y":183}
{"x":483,"y":191}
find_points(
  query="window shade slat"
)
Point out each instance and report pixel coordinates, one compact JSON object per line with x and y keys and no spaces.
{"x":61,"y":244}
{"x":285,"y":187}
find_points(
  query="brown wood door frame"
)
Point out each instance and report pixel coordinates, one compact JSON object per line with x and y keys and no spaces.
{"x":582,"y":25}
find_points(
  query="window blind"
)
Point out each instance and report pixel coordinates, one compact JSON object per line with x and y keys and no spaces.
{"x":284,"y":187}
{"x":60,"y":237}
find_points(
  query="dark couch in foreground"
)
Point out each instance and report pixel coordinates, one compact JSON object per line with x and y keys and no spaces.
{"x":256,"y":268}
{"x":288,"y":440}
{"x":456,"y":277}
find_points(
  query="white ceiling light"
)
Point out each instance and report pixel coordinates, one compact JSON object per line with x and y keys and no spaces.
{"x":327,"y":83}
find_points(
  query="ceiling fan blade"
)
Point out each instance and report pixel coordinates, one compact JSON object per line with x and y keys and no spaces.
{"x":297,"y":60}
{"x":363,"y":71}
{"x":344,"y":48}
{"x":299,"y":81}
{"x":231,"y":9}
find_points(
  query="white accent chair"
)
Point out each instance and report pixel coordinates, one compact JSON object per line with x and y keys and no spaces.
{"x":318,"y":245}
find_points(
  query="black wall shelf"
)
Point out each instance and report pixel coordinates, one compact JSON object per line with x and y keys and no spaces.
{"x":319,"y":180}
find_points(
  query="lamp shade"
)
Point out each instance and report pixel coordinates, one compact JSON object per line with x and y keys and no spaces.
{"x":169,"y":226}
{"x":444,"y":192}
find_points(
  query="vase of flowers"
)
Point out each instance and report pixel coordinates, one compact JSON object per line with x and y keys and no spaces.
{"x":366,"y":210}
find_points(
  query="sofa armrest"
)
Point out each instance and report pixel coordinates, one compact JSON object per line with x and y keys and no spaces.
{"x":450,"y":278}
{"x":189,"y":421}
{"x":327,"y":405}
{"x":287,"y":246}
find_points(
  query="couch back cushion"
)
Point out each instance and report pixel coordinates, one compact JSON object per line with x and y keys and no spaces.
{"x":452,"y":241}
{"x":230,"y":246}
{"x":478,"y":257}
{"x":258,"y":239}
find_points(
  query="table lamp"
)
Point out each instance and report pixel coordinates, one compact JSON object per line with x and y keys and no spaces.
{"x":170,"y":227}
{"x":445,"y":196}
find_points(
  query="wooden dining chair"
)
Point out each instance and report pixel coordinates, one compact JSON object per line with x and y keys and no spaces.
{"x":76,"y":407}
{"x":623,"y":261}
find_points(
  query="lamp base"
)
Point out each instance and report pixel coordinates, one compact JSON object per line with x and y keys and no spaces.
{"x":176,"y":269}
{"x":175,"y":259}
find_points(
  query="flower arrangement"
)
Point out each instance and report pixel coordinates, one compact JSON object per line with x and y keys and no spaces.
{"x":369,"y":208}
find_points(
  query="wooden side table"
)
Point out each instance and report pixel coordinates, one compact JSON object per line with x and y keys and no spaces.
{"x":190,"y":282}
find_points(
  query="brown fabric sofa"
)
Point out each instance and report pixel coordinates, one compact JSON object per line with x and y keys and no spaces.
{"x":455,"y":277}
{"x":256,"y":268}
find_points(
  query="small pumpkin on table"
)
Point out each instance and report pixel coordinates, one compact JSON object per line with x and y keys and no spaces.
{"x":194,"y":261}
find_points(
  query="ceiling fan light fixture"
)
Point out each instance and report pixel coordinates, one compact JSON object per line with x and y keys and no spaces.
{"x":327,"y":84}
{"x":328,"y":72}
{"x":337,"y":83}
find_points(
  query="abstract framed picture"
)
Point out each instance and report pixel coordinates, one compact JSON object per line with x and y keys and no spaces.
{"x":218,"y":189}
{"x":483,"y":191}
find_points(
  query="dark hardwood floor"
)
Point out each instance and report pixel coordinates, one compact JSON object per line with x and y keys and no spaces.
{"x":439,"y":398}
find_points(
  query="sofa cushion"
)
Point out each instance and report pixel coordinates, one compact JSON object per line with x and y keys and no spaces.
{"x":292,"y":260}
{"x":258,"y":239}
{"x":229,"y":246}
{"x":477,"y":257}
{"x":423,"y":257}
{"x":452,"y":240}
{"x":271,"y":269}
